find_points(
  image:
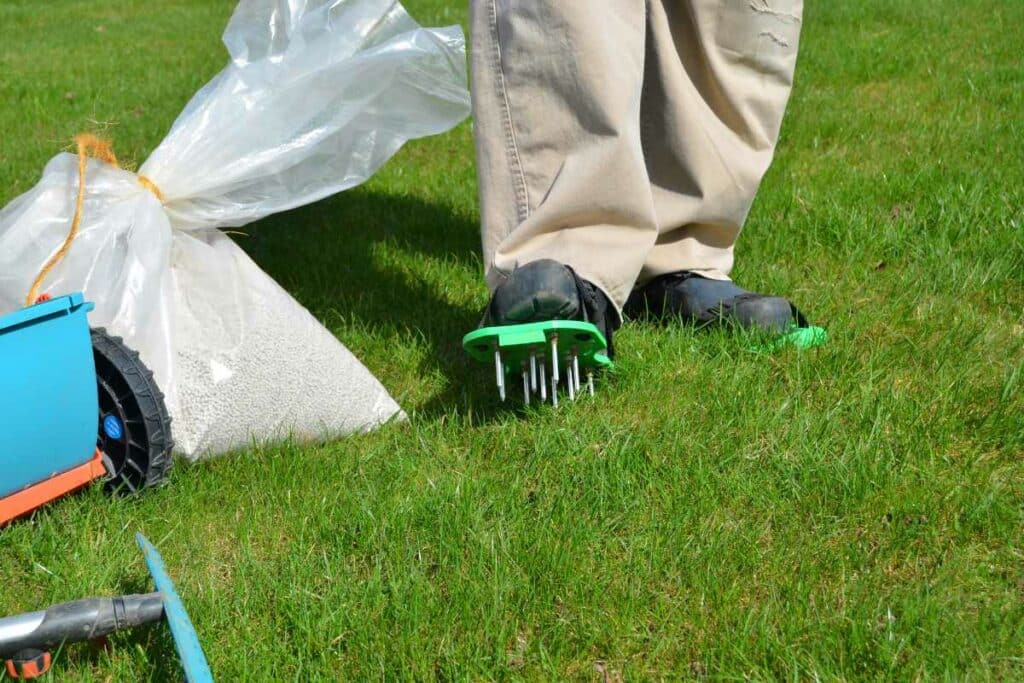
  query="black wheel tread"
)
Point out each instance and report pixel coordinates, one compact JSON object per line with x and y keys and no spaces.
{"x":111,"y":354}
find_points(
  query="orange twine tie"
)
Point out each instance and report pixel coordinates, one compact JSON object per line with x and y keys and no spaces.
{"x":98,"y":148}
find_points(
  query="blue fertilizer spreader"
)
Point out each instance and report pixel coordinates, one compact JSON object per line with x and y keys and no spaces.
{"x":76,"y":406}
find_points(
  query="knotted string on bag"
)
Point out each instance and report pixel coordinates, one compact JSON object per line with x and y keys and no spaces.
{"x":98,"y":148}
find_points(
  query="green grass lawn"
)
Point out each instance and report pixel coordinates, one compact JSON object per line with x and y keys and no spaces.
{"x":854,"y":512}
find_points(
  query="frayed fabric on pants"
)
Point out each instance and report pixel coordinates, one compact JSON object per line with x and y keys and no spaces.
{"x":625,"y":138}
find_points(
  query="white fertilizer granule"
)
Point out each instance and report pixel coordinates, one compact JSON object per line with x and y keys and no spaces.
{"x":251,"y":364}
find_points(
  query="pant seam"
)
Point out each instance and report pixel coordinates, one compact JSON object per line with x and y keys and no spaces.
{"x":511,"y":147}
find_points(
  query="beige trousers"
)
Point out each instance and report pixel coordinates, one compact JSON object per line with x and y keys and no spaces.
{"x":625,"y":138}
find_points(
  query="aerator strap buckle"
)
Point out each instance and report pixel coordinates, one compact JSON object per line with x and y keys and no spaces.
{"x":571,"y":348}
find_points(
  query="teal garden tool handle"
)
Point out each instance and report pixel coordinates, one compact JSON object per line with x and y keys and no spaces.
{"x":193,"y":661}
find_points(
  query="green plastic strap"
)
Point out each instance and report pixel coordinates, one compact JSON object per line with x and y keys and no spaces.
{"x":797,"y":337}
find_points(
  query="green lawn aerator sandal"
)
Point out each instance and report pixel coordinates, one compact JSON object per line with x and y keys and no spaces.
{"x":806,"y":337}
{"x":571,"y":349}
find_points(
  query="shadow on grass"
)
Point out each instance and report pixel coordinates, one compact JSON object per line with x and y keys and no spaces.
{"x":349,"y":254}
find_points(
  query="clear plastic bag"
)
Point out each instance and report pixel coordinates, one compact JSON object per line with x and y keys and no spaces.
{"x":318,"y":95}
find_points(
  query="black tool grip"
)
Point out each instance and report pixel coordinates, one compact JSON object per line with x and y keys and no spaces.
{"x":73,"y":622}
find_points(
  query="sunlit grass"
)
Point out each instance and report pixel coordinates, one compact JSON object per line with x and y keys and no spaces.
{"x":855,"y":512}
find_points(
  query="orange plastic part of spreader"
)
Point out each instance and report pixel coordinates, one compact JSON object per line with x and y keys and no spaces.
{"x":37,"y":495}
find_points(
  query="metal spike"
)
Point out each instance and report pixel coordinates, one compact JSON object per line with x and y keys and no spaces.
{"x":543,"y":382}
{"x":526,"y":385}
{"x":533,"y":371}
{"x":590,"y":382}
{"x":554,"y":358}
{"x":500,"y":372}
{"x":554,"y":391}
{"x":571,"y":382}
{"x":576,"y":369}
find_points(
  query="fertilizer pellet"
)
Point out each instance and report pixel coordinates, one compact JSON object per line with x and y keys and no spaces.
{"x":252,"y":365}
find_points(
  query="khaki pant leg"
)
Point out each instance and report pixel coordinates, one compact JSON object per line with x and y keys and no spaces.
{"x":717,"y":80}
{"x":556,"y":95}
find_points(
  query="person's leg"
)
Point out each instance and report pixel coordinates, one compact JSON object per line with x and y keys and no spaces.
{"x":718,"y":78}
{"x":556,"y":100}
{"x":717,"y":81}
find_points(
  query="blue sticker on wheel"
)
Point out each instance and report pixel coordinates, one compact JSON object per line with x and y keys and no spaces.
{"x":113,"y":428}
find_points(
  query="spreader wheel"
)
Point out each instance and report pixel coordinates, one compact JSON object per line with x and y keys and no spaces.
{"x":134,"y":427}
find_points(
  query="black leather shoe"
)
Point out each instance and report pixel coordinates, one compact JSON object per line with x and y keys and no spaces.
{"x":545,"y":290}
{"x":701,"y":301}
